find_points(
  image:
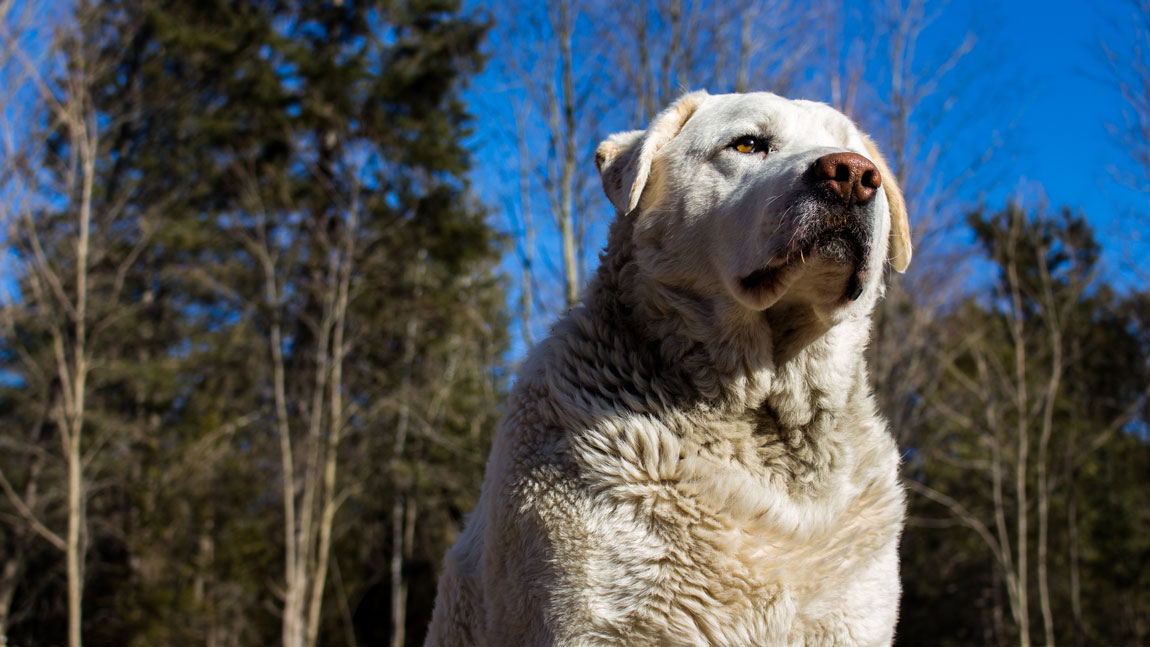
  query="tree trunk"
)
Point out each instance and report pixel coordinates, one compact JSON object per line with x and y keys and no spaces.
{"x":528,"y":238}
{"x":83,"y":131}
{"x":1022,"y":460}
{"x":1075,"y":583}
{"x":330,"y":505}
{"x":398,"y":583}
{"x":743,"y":62}
{"x":9,"y":576}
{"x":1054,"y":324}
{"x":998,"y":624}
{"x":292,"y":593}
{"x":567,"y":168}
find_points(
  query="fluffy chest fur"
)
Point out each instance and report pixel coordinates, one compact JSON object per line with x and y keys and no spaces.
{"x":717,"y":521}
{"x":628,"y":507}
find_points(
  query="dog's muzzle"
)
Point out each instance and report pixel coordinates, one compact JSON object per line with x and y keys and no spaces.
{"x":836,"y":220}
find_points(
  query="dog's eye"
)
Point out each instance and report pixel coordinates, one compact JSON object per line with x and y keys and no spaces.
{"x":749,"y":144}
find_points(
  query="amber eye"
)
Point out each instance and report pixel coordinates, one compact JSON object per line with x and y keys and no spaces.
{"x":749,"y":144}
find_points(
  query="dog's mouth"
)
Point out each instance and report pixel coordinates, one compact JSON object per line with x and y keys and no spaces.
{"x":839,"y":243}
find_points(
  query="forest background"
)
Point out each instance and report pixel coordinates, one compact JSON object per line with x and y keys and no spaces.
{"x":268,"y":268}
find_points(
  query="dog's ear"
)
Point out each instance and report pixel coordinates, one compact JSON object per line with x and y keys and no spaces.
{"x":900,"y":246}
{"x":613,"y":159}
{"x":624,"y":159}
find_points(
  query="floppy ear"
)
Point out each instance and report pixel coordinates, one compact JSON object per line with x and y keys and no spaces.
{"x":613,"y":159}
{"x":624,"y":159}
{"x":900,"y":247}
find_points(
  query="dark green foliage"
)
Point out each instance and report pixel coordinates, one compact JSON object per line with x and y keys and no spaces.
{"x":224,"y":124}
{"x":955,"y":588}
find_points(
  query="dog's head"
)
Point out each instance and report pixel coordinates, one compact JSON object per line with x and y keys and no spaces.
{"x":766,"y":200}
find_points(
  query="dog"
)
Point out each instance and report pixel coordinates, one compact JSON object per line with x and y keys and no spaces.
{"x":693,"y":456}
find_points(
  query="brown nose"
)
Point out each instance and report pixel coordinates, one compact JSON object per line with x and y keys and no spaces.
{"x":853,"y":178}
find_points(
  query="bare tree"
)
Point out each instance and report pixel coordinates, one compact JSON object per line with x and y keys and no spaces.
{"x":561,"y":121}
{"x":662,"y":48}
{"x":58,"y":268}
{"x":400,"y":537}
{"x":915,"y":101}
{"x":17,"y":536}
{"x":1005,"y":383}
{"x":308,"y":459}
{"x":552,"y":90}
{"x":1008,"y":447}
{"x":1126,"y":50}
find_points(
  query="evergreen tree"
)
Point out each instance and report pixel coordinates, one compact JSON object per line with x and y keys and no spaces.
{"x":309,"y":327}
{"x":1026,"y":515}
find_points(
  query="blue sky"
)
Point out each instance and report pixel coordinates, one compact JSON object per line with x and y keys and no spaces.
{"x":1063,"y":141}
{"x":1038,"y":67}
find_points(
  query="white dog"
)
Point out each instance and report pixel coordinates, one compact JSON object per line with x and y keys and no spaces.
{"x":694,"y":457}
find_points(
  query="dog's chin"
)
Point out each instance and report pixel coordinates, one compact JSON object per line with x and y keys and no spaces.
{"x":829,"y":273}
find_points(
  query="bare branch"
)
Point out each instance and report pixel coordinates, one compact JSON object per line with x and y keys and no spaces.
{"x":29,"y":516}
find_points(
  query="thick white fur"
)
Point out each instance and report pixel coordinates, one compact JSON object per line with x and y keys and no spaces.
{"x":684,"y":462}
